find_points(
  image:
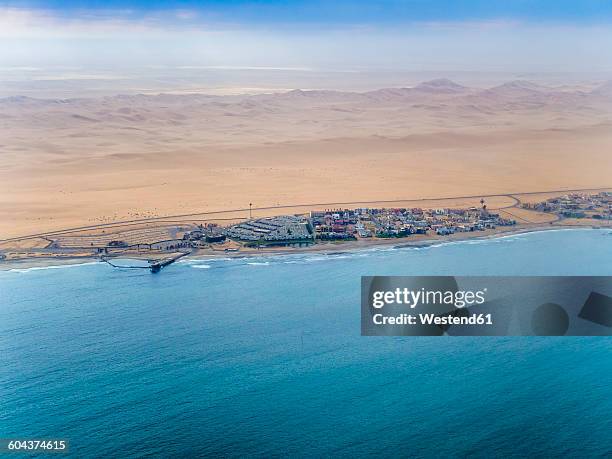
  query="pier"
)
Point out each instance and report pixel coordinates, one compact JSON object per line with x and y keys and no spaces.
{"x":154,"y":266}
{"x":158,"y":265}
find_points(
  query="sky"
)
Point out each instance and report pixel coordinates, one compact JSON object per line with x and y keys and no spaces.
{"x":345,"y":11}
{"x":318,"y":35}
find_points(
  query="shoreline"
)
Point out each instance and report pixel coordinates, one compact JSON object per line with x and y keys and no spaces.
{"x":329,"y":248}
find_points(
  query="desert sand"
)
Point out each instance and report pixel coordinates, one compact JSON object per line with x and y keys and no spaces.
{"x":74,"y":162}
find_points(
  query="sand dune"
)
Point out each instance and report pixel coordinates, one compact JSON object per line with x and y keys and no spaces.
{"x":66,"y":162}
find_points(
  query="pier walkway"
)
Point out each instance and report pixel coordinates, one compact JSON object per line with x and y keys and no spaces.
{"x":154,"y":266}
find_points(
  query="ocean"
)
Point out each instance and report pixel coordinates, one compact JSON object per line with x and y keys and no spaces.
{"x":263,"y":357}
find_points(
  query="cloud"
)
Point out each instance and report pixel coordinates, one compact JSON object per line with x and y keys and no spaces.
{"x":36,"y":23}
{"x":190,"y":38}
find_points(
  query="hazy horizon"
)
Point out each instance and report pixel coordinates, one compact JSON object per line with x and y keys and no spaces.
{"x":77,"y":83}
{"x":76,"y":48}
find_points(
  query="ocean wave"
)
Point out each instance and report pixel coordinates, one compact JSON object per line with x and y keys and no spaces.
{"x":195,"y":261}
{"x":419,"y":248}
{"x":44,"y":268}
{"x":379,"y":249}
{"x":314,"y":258}
{"x":201,"y":266}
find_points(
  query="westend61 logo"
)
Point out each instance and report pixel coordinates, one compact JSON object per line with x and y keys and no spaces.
{"x":487,"y":306}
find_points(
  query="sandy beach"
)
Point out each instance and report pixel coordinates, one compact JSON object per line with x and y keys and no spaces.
{"x":330,"y":248}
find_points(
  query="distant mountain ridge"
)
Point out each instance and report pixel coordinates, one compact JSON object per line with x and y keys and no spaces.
{"x":440,"y":87}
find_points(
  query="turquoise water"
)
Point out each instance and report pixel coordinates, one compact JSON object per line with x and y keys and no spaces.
{"x":263,"y":357}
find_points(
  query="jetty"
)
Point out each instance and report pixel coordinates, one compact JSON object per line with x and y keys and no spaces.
{"x":154,"y":266}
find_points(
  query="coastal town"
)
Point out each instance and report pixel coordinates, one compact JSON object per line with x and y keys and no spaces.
{"x":576,"y":205}
{"x":350,"y":224}
{"x":162,"y":242}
